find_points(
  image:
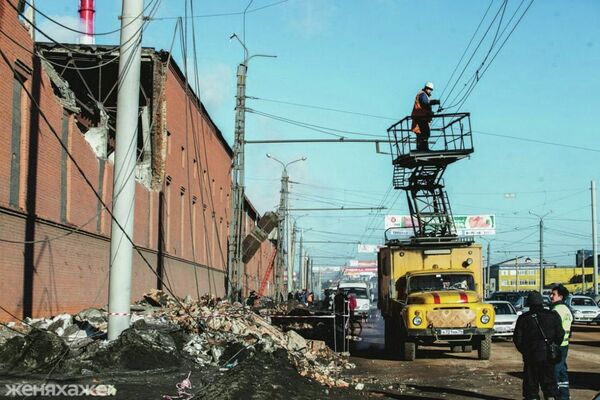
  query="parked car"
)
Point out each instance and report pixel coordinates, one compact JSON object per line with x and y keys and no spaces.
{"x":511,"y":297}
{"x":506,"y":318}
{"x":363,"y":296}
{"x":584,"y":309}
{"x":521,"y":303}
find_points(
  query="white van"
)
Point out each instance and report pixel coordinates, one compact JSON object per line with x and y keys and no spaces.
{"x":363,"y":296}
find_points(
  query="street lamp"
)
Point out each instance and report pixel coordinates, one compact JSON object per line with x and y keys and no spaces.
{"x":541,"y":217}
{"x":283,"y":230}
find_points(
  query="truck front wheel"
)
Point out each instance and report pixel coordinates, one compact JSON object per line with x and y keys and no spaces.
{"x":485,"y":348}
{"x":409,"y":351}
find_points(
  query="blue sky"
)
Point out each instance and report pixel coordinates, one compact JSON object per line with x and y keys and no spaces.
{"x":371,"y":57}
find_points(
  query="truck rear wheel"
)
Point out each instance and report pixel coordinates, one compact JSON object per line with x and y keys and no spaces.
{"x":409,"y":351}
{"x":484,"y":349}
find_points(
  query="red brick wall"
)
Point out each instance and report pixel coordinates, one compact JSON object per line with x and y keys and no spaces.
{"x":71,"y":260}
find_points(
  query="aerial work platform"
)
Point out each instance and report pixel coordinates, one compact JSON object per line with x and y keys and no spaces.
{"x":420,"y":172}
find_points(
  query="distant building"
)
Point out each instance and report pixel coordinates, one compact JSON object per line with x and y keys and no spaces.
{"x":517,"y":274}
{"x":504,"y":275}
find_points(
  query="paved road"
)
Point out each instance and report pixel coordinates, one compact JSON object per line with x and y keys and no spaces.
{"x":439,"y":374}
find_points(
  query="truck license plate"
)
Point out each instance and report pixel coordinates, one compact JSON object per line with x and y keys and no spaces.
{"x":452,"y":331}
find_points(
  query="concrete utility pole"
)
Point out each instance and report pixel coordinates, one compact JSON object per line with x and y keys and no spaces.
{"x":121,"y":248}
{"x":281,"y":236}
{"x":236,"y":229}
{"x":541,"y":217}
{"x":582,"y":271}
{"x":311,"y":285}
{"x":283,"y":228}
{"x":300,"y":255}
{"x":236,"y":225}
{"x":291,"y":245}
{"x":594,"y":238}
{"x":517,"y":273}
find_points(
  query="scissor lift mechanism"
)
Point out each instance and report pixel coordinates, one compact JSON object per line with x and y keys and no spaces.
{"x":420,"y":173}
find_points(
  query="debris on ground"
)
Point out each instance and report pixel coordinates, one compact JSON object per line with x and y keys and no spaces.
{"x":166,"y":332}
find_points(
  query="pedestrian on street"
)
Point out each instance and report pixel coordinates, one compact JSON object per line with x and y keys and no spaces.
{"x":252,"y":298}
{"x":352,"y":303}
{"x":422,"y":116}
{"x":310,"y":299}
{"x":558,"y":296}
{"x":529,"y":334}
{"x":339,"y":307}
{"x":302,"y":297}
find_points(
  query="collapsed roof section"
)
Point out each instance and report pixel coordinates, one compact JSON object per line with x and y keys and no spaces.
{"x":85,"y":80}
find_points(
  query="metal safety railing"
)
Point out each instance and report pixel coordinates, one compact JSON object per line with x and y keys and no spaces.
{"x":449,"y":133}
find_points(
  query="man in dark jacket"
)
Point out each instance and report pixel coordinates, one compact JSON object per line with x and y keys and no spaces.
{"x":537,"y":371}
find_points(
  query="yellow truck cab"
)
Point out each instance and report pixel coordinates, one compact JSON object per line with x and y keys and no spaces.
{"x":434,"y":295}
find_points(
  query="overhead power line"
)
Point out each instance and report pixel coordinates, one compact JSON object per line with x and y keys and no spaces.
{"x":314,"y":127}
{"x":466,"y":49}
{"x":322,"y":108}
{"x":479,"y":73}
{"x":49,"y":18}
{"x":523,"y":139}
{"x":225,"y":14}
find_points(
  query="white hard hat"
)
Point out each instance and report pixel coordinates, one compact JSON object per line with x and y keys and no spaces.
{"x":429,"y":85}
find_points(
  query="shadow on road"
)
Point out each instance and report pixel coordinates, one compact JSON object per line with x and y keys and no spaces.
{"x":435,"y":389}
{"x":396,"y":395}
{"x":594,"y":343}
{"x":585,"y":380}
{"x":586,"y":328}
{"x":577,"y":380}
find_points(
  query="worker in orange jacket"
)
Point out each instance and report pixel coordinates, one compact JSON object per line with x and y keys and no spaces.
{"x":421,"y":116}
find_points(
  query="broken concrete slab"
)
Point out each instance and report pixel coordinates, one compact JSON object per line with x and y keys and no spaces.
{"x":38,"y":351}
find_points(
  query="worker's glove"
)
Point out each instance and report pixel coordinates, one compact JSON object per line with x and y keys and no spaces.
{"x":434,"y":102}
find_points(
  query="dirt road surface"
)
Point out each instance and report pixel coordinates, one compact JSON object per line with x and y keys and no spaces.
{"x":439,"y":374}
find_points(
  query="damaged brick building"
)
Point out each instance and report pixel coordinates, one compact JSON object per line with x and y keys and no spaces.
{"x":58,"y":105}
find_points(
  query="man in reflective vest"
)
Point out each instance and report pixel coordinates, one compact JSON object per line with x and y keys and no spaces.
{"x":558,"y":296}
{"x":421,"y":116}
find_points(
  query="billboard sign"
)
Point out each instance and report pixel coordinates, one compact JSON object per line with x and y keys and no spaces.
{"x":368,"y":248}
{"x":466,"y":225}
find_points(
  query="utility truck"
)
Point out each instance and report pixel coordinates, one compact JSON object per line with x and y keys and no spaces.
{"x":434,"y":295}
{"x":430,"y":275}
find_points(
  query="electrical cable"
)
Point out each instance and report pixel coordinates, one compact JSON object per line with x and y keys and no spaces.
{"x":314,"y":127}
{"x":466,"y":49}
{"x":206,"y":158}
{"x":155,"y":3}
{"x":226,"y":14}
{"x":474,"y":52}
{"x":82,"y":32}
{"x":479,"y":75}
{"x":183,"y":43}
{"x":523,"y":139}
{"x":321,"y":108}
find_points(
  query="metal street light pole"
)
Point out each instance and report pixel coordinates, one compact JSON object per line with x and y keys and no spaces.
{"x":236,"y":225}
{"x":594,"y":238}
{"x":541,"y":217}
{"x":283,"y":230}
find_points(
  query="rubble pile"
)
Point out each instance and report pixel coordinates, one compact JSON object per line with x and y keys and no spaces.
{"x":165,"y":332}
{"x":213,"y":325}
